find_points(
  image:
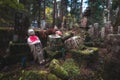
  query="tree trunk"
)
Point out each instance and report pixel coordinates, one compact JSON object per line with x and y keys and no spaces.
{"x":44,"y":11}
{"x":63,"y":12}
{"x":117,"y":22}
{"x":81,"y":8}
{"x":54,"y":12}
{"x":39,"y":15}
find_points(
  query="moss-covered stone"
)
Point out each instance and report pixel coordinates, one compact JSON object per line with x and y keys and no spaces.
{"x":73,"y":70}
{"x":58,"y":70}
{"x":53,"y":77}
{"x":38,"y":75}
{"x":86,"y":55}
{"x":87,"y":51}
{"x":95,"y":49}
{"x":29,"y":75}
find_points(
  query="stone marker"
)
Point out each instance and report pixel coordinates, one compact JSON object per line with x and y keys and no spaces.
{"x":96,"y":30}
{"x":102,"y":32}
{"x":91,"y":30}
{"x":108,"y":28}
{"x":118,"y":29}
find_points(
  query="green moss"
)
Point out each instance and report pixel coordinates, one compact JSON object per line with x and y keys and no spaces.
{"x":38,"y":75}
{"x":95,"y":49}
{"x":66,"y":33}
{"x":30,"y":75}
{"x":42,"y":72}
{"x":53,"y":77}
{"x":1,"y":75}
{"x":72,"y":69}
{"x":87,"y":51}
{"x":85,"y":56}
{"x":81,"y":52}
{"x":58,"y":70}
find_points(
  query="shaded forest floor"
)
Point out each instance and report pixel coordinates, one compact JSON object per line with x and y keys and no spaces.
{"x":86,"y":70}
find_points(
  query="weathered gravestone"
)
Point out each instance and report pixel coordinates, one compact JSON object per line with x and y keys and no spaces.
{"x":83,"y":22}
{"x":89,"y":36}
{"x":91,"y":31}
{"x":118,"y":29}
{"x":74,"y":42}
{"x":108,"y":28}
{"x":102,"y":32}
{"x":96,"y":30}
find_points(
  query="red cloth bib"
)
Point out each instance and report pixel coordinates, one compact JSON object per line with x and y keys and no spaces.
{"x":34,"y":38}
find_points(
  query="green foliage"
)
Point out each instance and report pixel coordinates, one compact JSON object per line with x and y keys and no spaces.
{"x":96,"y":12}
{"x":8,"y":8}
{"x":13,"y":4}
{"x":75,"y":8}
{"x":115,"y":4}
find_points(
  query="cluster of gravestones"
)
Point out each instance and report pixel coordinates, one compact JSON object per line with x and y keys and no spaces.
{"x":112,"y":62}
{"x":97,"y":34}
{"x":105,"y":34}
{"x":112,"y":43}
